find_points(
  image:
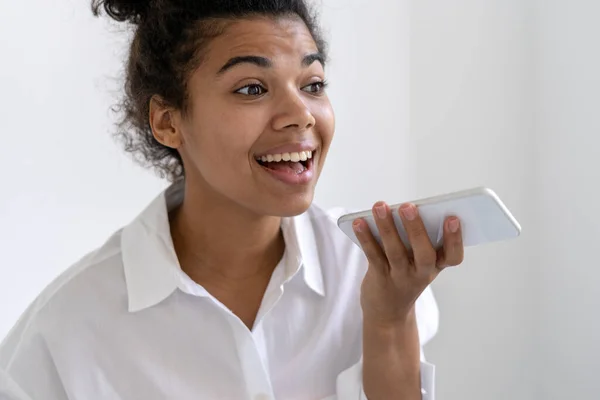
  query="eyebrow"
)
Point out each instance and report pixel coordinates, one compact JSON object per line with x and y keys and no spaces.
{"x":311,"y":58}
{"x":264,"y":62}
{"x":256,"y":60}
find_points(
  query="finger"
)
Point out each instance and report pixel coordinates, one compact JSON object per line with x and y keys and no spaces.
{"x":370,"y":246}
{"x":452,"y":253}
{"x":392,"y":244}
{"x":423,"y":252}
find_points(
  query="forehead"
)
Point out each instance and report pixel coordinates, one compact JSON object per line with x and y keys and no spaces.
{"x":264,"y":36}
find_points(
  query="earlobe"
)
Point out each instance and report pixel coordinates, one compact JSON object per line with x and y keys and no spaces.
{"x":163,"y":123}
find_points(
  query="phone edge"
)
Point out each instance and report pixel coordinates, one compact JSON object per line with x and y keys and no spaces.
{"x":445,"y":197}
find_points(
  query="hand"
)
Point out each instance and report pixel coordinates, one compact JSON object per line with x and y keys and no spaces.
{"x":396,"y":277}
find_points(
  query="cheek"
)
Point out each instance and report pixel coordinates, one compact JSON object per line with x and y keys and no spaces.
{"x":221,"y":138}
{"x":325,"y":123}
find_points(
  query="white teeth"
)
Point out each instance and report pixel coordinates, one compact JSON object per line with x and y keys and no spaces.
{"x":293,"y":157}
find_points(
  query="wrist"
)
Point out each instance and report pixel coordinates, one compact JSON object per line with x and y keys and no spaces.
{"x":395,"y":341}
{"x":391,"y":358}
{"x":390,"y":325}
{"x":399,"y":337}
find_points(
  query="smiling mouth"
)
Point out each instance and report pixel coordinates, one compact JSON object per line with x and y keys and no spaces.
{"x":292,"y":163}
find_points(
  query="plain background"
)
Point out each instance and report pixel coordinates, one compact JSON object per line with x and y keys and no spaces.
{"x":430,"y":97}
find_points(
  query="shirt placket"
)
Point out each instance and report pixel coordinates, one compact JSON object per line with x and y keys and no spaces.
{"x":252,"y":346}
{"x":256,"y":374}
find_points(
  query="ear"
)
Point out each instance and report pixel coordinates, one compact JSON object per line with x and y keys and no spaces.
{"x":165,"y":122}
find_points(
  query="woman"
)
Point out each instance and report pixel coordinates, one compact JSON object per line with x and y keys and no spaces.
{"x":231,"y":285}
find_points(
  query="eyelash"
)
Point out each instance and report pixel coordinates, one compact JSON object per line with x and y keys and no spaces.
{"x":322,"y":83}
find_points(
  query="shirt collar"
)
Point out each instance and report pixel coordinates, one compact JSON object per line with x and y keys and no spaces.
{"x":152,"y":271}
{"x":301,"y":245}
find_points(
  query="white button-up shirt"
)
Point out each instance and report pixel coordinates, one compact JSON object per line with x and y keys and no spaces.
{"x":126,"y":323}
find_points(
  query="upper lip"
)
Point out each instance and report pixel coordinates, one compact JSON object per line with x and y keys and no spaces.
{"x":289,"y":148}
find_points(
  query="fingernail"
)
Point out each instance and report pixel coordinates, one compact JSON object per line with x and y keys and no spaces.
{"x":381,"y":210}
{"x":453,"y":225}
{"x":409,"y":211}
{"x":357,"y":225}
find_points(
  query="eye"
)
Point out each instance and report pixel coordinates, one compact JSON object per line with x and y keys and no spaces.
{"x":315,"y":87}
{"x":253,"y":89}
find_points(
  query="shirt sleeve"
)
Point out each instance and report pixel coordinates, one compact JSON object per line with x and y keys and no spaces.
{"x":27,"y":368}
{"x":349,"y":383}
{"x":9,"y":390}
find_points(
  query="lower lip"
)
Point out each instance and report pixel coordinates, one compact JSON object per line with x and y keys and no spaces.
{"x":291,"y":178}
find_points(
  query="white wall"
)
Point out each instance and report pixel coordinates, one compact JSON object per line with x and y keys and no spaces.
{"x":471,"y":125}
{"x":567,"y":109}
{"x":370,"y":158}
{"x":505,"y":94}
{"x":62,"y":173}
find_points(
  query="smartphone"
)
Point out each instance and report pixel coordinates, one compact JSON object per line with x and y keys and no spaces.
{"x":484,"y":218}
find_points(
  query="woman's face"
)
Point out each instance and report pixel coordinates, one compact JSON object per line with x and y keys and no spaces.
{"x":260,"y":123}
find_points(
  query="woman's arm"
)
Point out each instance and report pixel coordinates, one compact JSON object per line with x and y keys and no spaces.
{"x":391,"y":360}
{"x":395,"y":278}
{"x":378,"y":357}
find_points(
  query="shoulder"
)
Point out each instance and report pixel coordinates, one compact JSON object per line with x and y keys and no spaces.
{"x":75,"y":297}
{"x":336,"y":251}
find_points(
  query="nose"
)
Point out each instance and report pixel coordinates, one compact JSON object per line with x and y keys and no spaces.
{"x":292,"y":113}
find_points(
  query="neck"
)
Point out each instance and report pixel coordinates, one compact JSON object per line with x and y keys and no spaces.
{"x":213,"y":235}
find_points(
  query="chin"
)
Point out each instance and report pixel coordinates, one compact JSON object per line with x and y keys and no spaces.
{"x":288,"y":206}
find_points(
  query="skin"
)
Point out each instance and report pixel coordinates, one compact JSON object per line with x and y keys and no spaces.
{"x":230,"y":199}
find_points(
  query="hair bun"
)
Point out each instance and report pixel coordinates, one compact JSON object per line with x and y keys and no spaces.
{"x":133,"y":11}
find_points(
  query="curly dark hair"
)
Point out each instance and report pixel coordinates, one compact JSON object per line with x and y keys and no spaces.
{"x":169,"y":39}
